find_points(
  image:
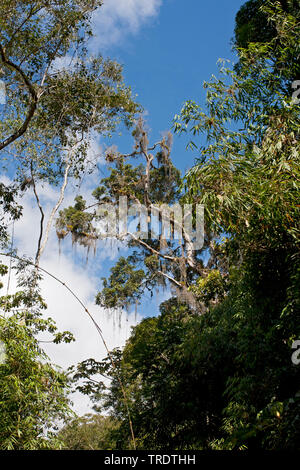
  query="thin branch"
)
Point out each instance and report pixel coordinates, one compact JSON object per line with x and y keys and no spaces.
{"x":51,"y":60}
{"x":31,"y":13}
{"x":10,"y":266}
{"x":42,"y":215}
{"x":158,"y":253}
{"x":149,"y":159}
{"x":171,"y":279}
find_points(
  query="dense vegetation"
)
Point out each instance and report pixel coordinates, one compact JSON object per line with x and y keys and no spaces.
{"x":213,"y":369}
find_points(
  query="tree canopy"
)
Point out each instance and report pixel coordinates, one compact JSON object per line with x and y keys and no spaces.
{"x":213,"y":368}
{"x":215,"y":372}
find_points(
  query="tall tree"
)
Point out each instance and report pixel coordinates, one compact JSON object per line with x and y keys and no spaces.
{"x":225,"y":379}
{"x":52,"y":111}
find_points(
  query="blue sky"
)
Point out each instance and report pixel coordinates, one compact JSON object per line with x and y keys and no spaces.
{"x":170,"y":57}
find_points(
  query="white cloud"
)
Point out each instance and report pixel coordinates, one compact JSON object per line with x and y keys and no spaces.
{"x":118,"y":18}
{"x":62,"y":63}
{"x":112,"y":23}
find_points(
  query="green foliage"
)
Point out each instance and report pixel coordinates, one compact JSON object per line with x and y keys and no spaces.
{"x":210,"y":289}
{"x":125,"y":285}
{"x":52,"y":111}
{"x":264,"y":22}
{"x":75,"y":220}
{"x":248,"y":179}
{"x":123,"y":181}
{"x":33,"y":35}
{"x":89,"y":432}
{"x":10,"y":210}
{"x":221,"y":380}
{"x":213,"y":370}
{"x":33,"y":392}
{"x":251,"y":25}
{"x":174,"y":389}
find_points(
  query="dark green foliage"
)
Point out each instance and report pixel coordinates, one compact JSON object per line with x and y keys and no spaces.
{"x":224,"y":380}
{"x":89,"y":432}
{"x":251,"y":24}
{"x":124,"y":286}
{"x":262,"y":21}
{"x":33,"y":392}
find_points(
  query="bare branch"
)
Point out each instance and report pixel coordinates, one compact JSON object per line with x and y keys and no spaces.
{"x":155,"y":252}
{"x":171,"y":279}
